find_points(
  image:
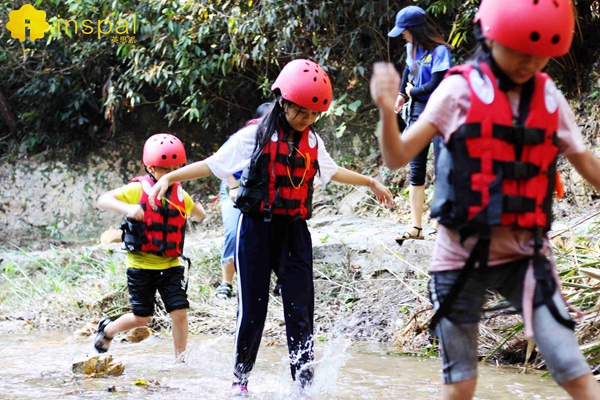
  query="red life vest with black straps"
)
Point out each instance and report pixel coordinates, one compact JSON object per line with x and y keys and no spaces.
{"x":162,"y":231}
{"x":495,"y":171}
{"x":280,"y":180}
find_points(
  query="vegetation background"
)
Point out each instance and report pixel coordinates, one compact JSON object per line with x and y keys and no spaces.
{"x":199,"y":68}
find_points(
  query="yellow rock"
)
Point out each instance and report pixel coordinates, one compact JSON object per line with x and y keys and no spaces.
{"x":138,"y":334}
{"x":111,"y":235}
{"x":98,"y":365}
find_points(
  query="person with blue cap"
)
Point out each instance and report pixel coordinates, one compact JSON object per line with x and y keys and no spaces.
{"x":427,"y":60}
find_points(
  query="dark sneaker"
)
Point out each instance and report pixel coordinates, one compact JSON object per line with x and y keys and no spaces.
{"x":102,"y":342}
{"x":239,"y":388}
{"x":224,"y":291}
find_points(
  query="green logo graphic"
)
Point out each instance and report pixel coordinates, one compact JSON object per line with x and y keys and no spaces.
{"x":27,"y":17}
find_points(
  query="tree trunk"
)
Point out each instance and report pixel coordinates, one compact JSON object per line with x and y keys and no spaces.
{"x":8,"y":114}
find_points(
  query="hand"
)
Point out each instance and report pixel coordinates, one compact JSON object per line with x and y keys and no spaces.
{"x":158,"y":191}
{"x":409,"y":87}
{"x":382,"y":193}
{"x":384,"y":85}
{"x":233,"y":193}
{"x":400,"y":100}
{"x":135,"y":212}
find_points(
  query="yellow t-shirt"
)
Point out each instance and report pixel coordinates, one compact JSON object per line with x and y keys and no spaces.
{"x":131,"y":194}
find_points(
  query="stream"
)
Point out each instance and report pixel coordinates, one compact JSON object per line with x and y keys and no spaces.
{"x":38,"y":366}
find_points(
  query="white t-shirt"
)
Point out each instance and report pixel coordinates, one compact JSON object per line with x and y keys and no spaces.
{"x":235,"y":155}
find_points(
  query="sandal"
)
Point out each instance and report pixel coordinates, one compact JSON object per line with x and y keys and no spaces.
{"x":408,"y":235}
{"x":431,"y":235}
{"x":224,"y":291}
{"x":102,"y":342}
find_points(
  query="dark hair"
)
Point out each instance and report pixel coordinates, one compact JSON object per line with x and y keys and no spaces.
{"x":262,"y":110}
{"x":272,"y":121}
{"x":427,"y":37}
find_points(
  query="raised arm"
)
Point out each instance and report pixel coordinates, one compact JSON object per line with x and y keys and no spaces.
{"x":109,"y":201}
{"x":396,"y":150}
{"x":382,"y":193}
{"x":196,"y":170}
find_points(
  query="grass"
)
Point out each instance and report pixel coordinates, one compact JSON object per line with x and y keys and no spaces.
{"x":67,"y":287}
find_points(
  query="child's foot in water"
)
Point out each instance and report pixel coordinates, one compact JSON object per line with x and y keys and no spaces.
{"x":102,"y":342}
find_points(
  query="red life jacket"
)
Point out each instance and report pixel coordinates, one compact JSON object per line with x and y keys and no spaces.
{"x":498,"y":172}
{"x":162,"y":231}
{"x":280,"y":181}
{"x":495,"y":171}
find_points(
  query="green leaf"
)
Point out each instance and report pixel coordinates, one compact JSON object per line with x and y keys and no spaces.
{"x":354,"y":106}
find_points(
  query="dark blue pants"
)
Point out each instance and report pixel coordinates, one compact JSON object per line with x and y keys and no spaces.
{"x":418,"y":165}
{"x":284,"y":246}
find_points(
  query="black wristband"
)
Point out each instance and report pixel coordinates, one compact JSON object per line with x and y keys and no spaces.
{"x":231,"y":188}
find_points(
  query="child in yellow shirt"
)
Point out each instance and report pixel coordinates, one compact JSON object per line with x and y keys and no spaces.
{"x":154,"y":240}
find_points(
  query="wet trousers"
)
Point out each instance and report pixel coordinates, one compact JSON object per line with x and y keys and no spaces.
{"x":284,"y":246}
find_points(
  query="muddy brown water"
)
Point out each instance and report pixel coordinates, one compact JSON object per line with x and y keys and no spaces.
{"x":38,"y":366}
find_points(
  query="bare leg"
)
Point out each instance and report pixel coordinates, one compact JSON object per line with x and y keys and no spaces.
{"x":227,"y":271}
{"x":464,"y":390}
{"x":124,"y":323}
{"x":417,"y":200}
{"x":583,"y":388}
{"x":180,"y":332}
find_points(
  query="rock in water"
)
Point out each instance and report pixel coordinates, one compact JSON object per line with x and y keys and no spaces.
{"x":98,"y":365}
{"x":138,"y":334}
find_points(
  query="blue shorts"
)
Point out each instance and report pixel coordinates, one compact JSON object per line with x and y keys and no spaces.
{"x":458,"y":331}
{"x":230,"y":216}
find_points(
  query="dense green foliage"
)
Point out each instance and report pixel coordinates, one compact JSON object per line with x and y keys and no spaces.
{"x":197,"y":68}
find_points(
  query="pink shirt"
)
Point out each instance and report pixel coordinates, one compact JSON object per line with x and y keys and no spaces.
{"x":446,"y":109}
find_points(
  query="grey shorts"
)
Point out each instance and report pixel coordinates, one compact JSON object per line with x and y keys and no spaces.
{"x":457,"y":332}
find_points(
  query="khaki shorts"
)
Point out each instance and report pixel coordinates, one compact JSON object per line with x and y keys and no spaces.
{"x":458,"y":331}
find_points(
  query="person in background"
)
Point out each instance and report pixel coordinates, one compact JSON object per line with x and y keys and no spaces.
{"x":504,"y":123}
{"x":427,"y":60}
{"x":153,"y":257}
{"x":280,"y":157}
{"x":229,"y":216}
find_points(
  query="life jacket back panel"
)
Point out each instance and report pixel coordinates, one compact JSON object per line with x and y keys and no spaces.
{"x":497,"y":170}
{"x":162,"y":231}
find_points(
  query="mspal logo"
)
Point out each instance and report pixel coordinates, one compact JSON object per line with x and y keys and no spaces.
{"x":27,"y":17}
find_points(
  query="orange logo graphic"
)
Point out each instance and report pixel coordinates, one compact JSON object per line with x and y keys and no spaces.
{"x":27,"y":17}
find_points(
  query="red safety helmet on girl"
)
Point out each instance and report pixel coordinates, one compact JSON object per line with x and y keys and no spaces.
{"x":541,"y":28}
{"x":163,"y":150}
{"x":305,"y":83}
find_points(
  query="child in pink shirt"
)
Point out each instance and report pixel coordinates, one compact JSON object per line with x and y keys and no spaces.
{"x":504,"y":123}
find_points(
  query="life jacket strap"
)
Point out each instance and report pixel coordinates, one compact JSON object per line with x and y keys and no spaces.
{"x":479,"y":254}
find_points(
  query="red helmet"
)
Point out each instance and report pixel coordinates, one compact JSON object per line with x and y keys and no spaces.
{"x":163,"y":150}
{"x":305,"y":83}
{"x":538,"y":27}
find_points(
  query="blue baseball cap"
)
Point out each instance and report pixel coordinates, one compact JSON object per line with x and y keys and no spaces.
{"x":408,"y":16}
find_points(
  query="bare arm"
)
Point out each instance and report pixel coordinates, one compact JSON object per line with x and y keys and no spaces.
{"x":196,"y":170}
{"x":232,"y":182}
{"x":396,"y":150}
{"x":109,"y":201}
{"x":382,"y":193}
{"x":234,"y":185}
{"x":588,"y":166}
{"x":198,"y":211}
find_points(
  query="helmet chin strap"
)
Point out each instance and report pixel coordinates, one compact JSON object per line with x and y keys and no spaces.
{"x":150,"y":174}
{"x":504,"y":82}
